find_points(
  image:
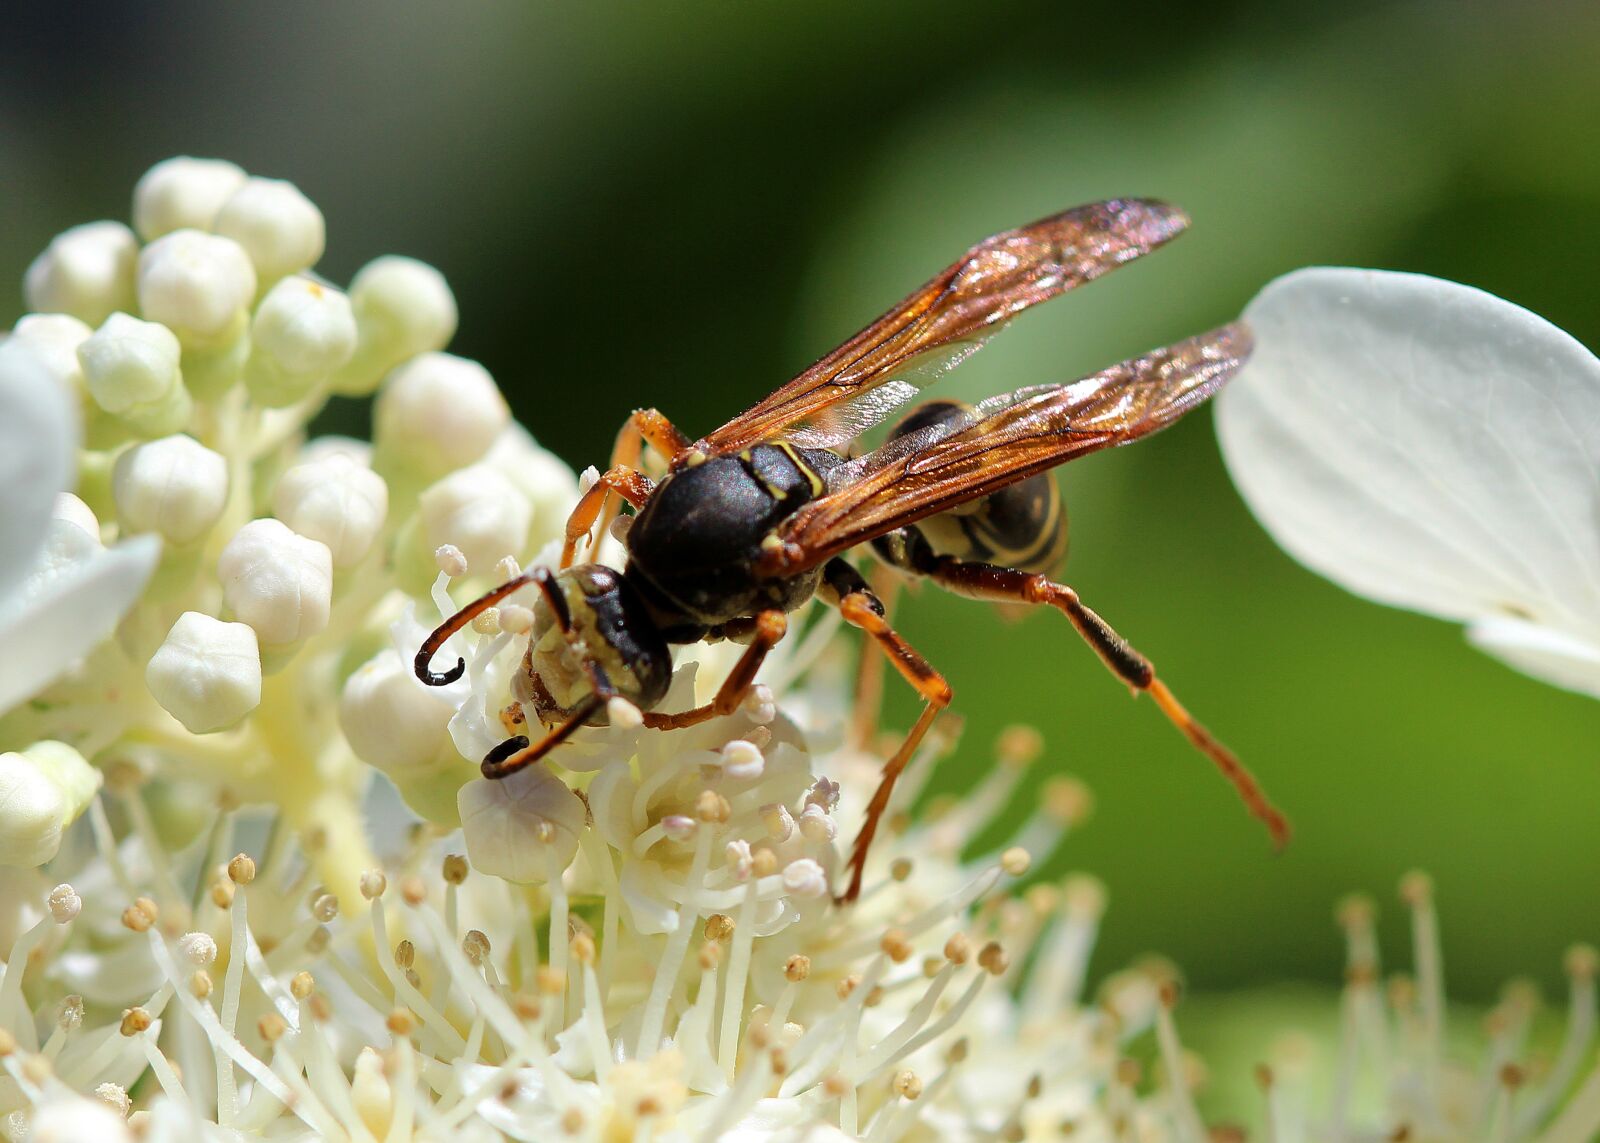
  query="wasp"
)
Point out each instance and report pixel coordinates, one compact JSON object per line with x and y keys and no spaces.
{"x":752,"y":520}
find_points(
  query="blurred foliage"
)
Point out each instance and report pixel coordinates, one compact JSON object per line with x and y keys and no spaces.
{"x":682,"y":204}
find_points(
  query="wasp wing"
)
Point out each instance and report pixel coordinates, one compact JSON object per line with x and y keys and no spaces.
{"x":1003,"y":440}
{"x":866,"y":378}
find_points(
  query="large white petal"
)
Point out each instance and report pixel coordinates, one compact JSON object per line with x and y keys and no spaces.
{"x":63,"y":612}
{"x":1427,"y":445}
{"x":38,"y":436}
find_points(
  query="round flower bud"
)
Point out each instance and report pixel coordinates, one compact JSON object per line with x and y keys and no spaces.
{"x":438,"y":412}
{"x":72,"y":1119}
{"x":199,"y":285}
{"x":403,"y":307}
{"x":175,"y":486}
{"x":549,"y":484}
{"x":131,"y":370}
{"x":279,"y":583}
{"x":86,"y":272}
{"x":391,"y":721}
{"x":54,"y":340}
{"x":43,"y":789}
{"x":182,"y":194}
{"x":334,"y":500}
{"x":301,"y":333}
{"x":477,"y":510}
{"x":280,"y":228}
{"x":207,"y":673}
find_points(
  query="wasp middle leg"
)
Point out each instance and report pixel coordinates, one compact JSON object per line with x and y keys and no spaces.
{"x":844,"y":587}
{"x":1007,"y":585}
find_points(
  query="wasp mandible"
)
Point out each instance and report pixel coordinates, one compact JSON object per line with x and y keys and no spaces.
{"x":752,"y":520}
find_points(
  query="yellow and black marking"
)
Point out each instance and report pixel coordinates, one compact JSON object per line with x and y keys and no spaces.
{"x":1022,"y":526}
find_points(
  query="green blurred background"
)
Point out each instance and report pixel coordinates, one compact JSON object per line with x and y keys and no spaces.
{"x":683,"y":204}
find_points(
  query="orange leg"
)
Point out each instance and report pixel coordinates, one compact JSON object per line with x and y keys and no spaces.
{"x":460,"y":619}
{"x":861,"y":608}
{"x":629,"y":483}
{"x":769,"y":628}
{"x":984,"y":581}
{"x":885,"y":584}
{"x":645,"y":426}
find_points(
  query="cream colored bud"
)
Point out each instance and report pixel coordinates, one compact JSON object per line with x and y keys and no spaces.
{"x":206,"y":673}
{"x":437,"y":413}
{"x":403,"y":307}
{"x":302,"y":332}
{"x":478,"y":511}
{"x":130,"y":368}
{"x":173,"y":485}
{"x":391,"y":721}
{"x":335,"y":501}
{"x":280,"y":228}
{"x":43,"y":789}
{"x":278,"y":582}
{"x":87,"y":272}
{"x":182,"y":194}
{"x":54,"y":340}
{"x":199,"y":285}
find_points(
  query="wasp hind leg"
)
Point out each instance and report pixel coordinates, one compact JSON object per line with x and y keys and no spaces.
{"x":844,"y":587}
{"x":1006,"y":585}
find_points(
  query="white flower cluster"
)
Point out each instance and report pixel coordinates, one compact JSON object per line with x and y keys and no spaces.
{"x":167,"y":376}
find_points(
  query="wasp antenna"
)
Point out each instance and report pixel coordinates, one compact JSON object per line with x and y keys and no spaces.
{"x":431,"y":645}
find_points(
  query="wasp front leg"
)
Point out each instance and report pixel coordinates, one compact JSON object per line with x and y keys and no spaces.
{"x":645,"y":426}
{"x":766,"y":630}
{"x":629,"y":483}
{"x":844,"y":587}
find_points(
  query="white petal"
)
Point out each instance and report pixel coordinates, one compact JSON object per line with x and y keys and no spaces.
{"x":1424,"y":444}
{"x":67,"y":613}
{"x":1552,"y":656}
{"x":38,"y":433}
{"x":502,"y":820}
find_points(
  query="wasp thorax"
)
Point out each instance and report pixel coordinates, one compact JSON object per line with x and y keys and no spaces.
{"x":591,"y":633}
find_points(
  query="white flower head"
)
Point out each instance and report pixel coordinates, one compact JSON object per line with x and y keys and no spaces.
{"x":1432,"y":447}
{"x":278,"y":582}
{"x":198,"y":285}
{"x":337,"y":501}
{"x":183,"y":194}
{"x":206,"y":673}
{"x":281,"y":229}
{"x":87,"y":272}
{"x":174,"y":486}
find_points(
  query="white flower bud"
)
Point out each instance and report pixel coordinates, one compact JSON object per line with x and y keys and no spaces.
{"x":71,"y":510}
{"x":54,"y":340}
{"x":403,"y":307}
{"x":72,"y":1119}
{"x":86,"y":272}
{"x":803,"y":877}
{"x":279,"y":583}
{"x":515,"y":826}
{"x":182,"y":194}
{"x":43,"y":789}
{"x":280,"y":228}
{"x":301,"y":333}
{"x":199,"y":285}
{"x":336,"y":501}
{"x":175,"y":486}
{"x":391,"y":721}
{"x":131,"y":370}
{"x":321,"y":448}
{"x":479,"y":511}
{"x":545,"y":479}
{"x":207,"y":673}
{"x":438,"y":412}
